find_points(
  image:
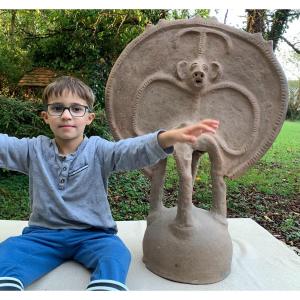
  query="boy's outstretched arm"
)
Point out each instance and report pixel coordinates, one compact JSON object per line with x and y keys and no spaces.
{"x":188,"y":134}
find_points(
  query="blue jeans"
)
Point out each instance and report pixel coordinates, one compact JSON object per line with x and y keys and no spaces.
{"x":39,"y":250}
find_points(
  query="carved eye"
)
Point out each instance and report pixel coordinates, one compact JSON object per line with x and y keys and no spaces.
{"x":193,"y":66}
{"x":205,"y":68}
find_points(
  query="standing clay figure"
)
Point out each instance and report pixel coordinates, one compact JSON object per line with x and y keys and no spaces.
{"x":177,"y":73}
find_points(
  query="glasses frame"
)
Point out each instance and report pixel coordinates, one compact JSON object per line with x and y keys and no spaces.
{"x":87,"y":109}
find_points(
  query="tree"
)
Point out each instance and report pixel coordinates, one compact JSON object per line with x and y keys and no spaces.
{"x":272,"y":24}
{"x":14,"y":60}
{"x":84,"y":43}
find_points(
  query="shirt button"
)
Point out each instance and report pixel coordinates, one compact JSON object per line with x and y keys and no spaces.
{"x":64,"y":168}
{"x":62,"y":180}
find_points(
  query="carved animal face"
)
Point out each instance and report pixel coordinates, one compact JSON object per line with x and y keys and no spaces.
{"x":197,"y":73}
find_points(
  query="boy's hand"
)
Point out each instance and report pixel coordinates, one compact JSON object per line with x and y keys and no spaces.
{"x":188,"y":134}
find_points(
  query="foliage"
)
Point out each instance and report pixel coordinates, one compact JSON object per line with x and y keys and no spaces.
{"x":89,"y":42}
{"x":271,"y":23}
{"x":176,"y":14}
{"x":14,"y":197}
{"x":21,"y":119}
{"x":13,"y":59}
{"x":128,"y":195}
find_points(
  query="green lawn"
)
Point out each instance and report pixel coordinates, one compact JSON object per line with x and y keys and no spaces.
{"x":278,"y":172}
{"x":269,"y":192}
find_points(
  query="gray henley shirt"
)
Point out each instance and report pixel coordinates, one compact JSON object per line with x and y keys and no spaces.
{"x":71,"y":191}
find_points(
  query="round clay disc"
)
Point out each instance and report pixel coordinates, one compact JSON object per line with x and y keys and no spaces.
{"x":179,"y":72}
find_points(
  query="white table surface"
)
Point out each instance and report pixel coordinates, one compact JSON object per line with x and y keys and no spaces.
{"x":260,"y":262}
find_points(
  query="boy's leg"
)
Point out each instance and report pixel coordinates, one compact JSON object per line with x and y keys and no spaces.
{"x":11,"y":284}
{"x":108,"y":259}
{"x":27,"y":257}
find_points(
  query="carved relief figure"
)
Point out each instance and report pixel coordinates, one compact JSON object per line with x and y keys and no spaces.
{"x":191,"y":88}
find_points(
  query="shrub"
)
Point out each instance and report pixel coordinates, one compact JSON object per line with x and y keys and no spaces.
{"x":21,"y":119}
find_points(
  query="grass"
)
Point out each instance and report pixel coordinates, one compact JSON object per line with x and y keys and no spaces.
{"x":269,"y":192}
{"x":278,"y":171}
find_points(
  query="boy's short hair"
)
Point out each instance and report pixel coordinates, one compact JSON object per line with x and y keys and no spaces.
{"x":71,"y":84}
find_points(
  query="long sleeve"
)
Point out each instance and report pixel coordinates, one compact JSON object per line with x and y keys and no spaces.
{"x":131,"y":153}
{"x":14,"y":153}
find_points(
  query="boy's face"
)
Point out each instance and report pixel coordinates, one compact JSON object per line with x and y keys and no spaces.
{"x":67,"y":127}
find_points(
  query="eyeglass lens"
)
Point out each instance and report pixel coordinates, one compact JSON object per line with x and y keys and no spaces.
{"x":76,"y":110}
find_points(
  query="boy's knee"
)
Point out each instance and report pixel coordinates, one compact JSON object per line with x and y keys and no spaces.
{"x":122,"y":257}
{"x":121,"y":251}
{"x":9,"y":244}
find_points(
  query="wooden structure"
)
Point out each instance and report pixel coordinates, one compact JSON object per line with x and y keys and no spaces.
{"x":33,"y":82}
{"x":38,"y":77}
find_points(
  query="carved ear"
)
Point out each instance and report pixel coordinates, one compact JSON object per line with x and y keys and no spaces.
{"x":182,"y":69}
{"x":215,"y":71}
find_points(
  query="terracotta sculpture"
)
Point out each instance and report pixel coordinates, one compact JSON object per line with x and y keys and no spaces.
{"x":179,"y":72}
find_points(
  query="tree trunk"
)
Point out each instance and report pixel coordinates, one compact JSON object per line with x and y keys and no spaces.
{"x":256,"y":19}
{"x":12,"y":23}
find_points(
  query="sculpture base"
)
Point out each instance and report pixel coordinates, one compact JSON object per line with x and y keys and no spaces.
{"x":197,"y":254}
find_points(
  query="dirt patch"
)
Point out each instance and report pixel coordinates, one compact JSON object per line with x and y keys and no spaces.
{"x":277,"y":214}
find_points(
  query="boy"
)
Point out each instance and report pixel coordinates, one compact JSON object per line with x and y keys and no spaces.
{"x":70,"y":215}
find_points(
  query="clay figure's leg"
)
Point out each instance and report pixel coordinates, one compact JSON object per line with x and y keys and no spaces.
{"x":209,"y":144}
{"x":218,"y":192}
{"x":195,"y":158}
{"x":183,"y":159}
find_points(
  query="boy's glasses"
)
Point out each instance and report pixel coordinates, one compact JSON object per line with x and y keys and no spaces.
{"x":76,"y":110}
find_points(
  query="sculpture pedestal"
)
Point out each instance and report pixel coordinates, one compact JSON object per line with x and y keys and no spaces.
{"x":198,"y":254}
